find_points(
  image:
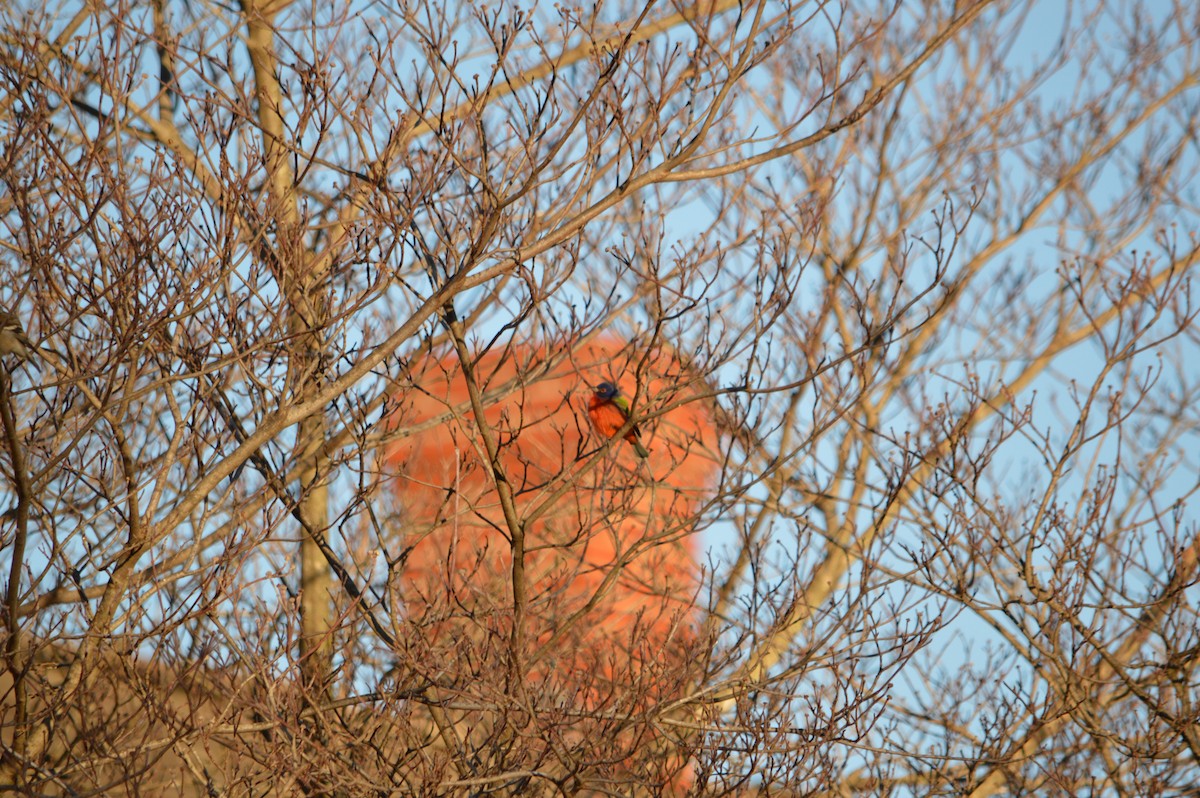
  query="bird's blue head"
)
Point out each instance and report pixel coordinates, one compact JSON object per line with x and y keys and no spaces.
{"x":606,"y":390}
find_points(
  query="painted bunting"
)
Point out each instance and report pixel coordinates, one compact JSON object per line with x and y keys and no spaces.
{"x":609,"y":411}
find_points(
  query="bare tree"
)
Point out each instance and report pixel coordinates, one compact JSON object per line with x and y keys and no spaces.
{"x":302,"y":495}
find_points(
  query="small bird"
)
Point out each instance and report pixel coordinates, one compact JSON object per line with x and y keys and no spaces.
{"x":609,"y":411}
{"x":13,"y":340}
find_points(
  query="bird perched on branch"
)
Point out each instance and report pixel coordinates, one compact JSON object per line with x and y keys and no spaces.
{"x":609,"y":411}
{"x":13,"y":340}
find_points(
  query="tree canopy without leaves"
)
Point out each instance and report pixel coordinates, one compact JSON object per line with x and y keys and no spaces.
{"x":300,"y":491}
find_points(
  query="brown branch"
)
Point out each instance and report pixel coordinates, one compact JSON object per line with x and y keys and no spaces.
{"x":842,"y":550}
{"x":17,"y":657}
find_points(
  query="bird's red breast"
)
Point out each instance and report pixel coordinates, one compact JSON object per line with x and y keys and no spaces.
{"x":606,"y":416}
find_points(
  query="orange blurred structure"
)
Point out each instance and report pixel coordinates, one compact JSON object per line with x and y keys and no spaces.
{"x":610,"y":563}
{"x":610,"y":567}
